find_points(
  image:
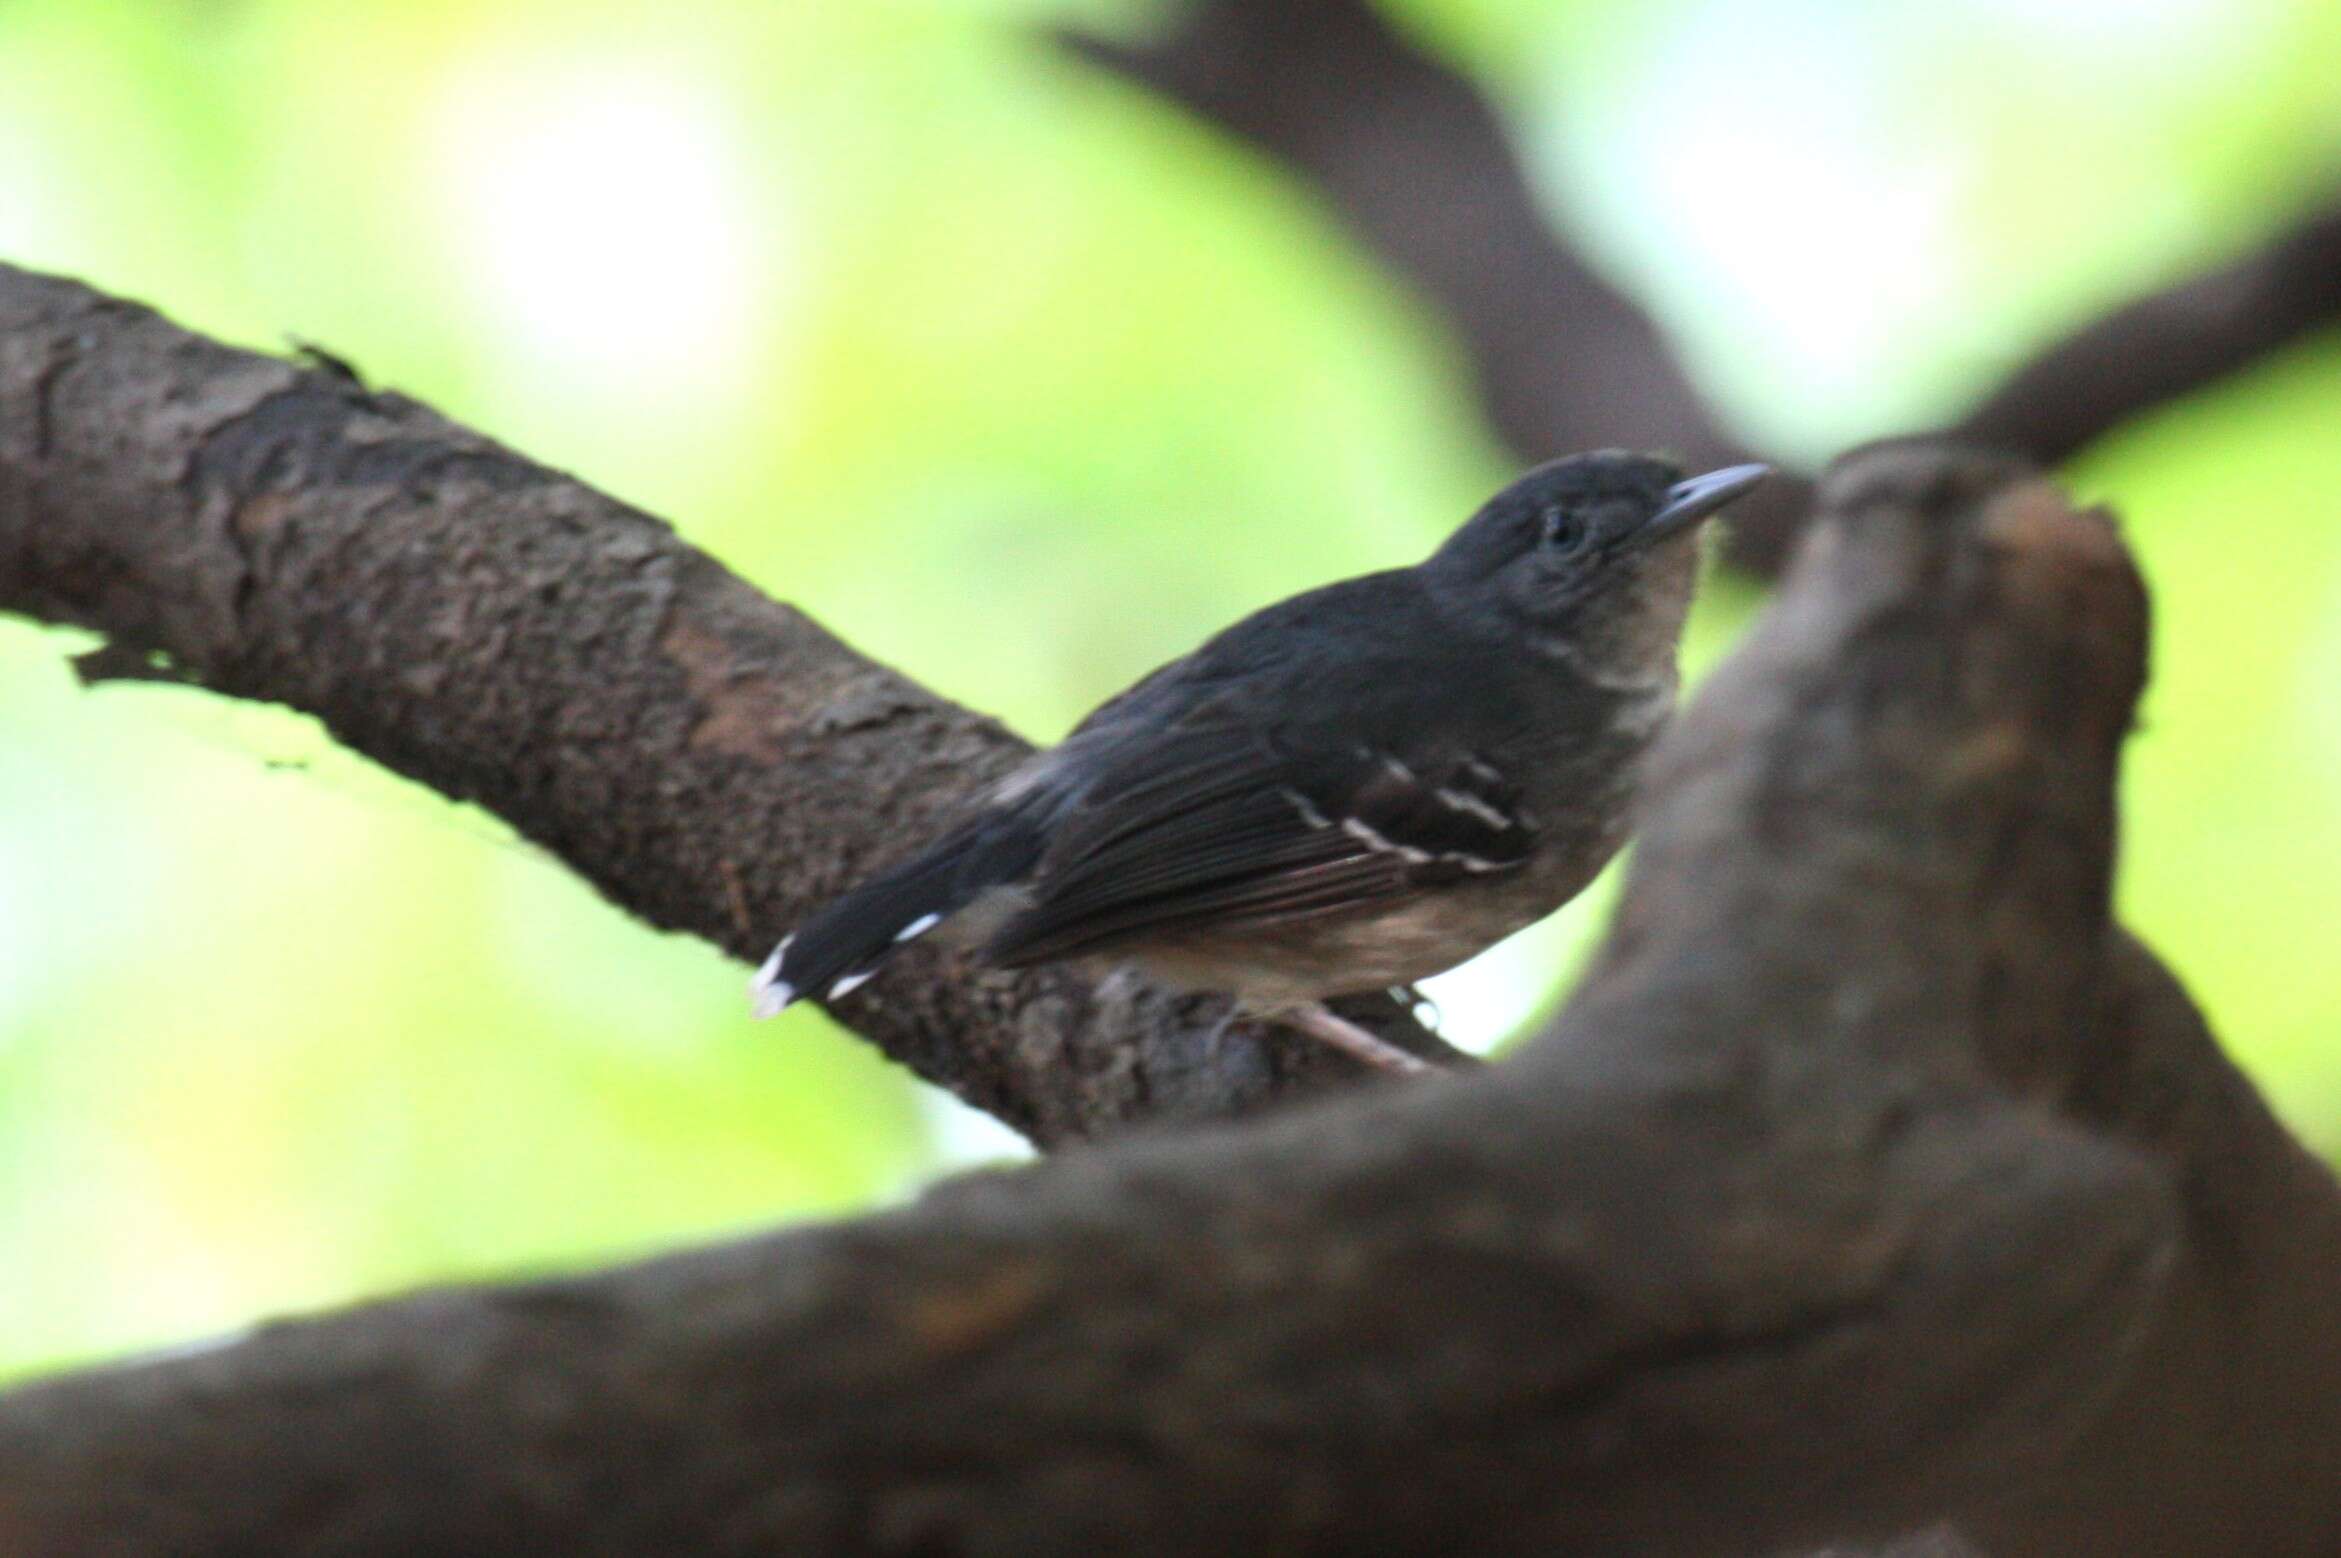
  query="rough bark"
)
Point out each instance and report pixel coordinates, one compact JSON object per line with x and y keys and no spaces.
{"x":1873,"y":1180}
{"x":710,"y":760}
{"x":1420,"y":168}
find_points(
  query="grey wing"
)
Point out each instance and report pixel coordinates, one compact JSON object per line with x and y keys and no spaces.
{"x":1220,"y":823}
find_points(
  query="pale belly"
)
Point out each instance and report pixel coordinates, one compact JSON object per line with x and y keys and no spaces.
{"x":1271,"y":966}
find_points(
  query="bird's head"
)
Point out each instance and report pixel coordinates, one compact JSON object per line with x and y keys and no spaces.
{"x":1593,"y":555}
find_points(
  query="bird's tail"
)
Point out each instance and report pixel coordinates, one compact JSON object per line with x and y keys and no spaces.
{"x":842,"y":945}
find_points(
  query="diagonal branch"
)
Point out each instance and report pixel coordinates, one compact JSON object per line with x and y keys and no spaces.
{"x":2169,"y":344}
{"x":1421,"y":169}
{"x":1872,"y":1179}
{"x":1418,"y":165}
{"x":707,"y":759}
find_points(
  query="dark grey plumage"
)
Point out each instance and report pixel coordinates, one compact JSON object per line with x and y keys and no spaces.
{"x":1352,"y":789}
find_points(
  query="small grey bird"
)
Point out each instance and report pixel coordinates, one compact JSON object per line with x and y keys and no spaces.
{"x":1349,"y":791}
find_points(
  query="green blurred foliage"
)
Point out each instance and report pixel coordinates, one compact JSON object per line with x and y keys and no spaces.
{"x":1022,"y":381}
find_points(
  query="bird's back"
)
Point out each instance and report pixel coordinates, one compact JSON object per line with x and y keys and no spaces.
{"x":1358,"y":657}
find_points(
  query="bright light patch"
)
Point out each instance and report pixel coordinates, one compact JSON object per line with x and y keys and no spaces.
{"x":18,"y":962}
{"x":34,"y":212}
{"x":598,"y":209}
{"x":968,"y":1138}
{"x":2172,"y":31}
{"x":1767,"y":161}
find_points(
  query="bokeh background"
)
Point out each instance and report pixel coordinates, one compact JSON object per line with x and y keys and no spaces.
{"x":1022,"y":380}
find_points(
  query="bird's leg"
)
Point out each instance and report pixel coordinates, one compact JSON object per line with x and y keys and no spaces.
{"x":1216,"y":1039}
{"x":1319,"y":1023}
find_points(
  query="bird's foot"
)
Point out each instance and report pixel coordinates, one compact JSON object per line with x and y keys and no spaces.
{"x":1319,"y":1023}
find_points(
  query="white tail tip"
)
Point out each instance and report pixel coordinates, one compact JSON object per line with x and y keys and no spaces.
{"x":771,"y":993}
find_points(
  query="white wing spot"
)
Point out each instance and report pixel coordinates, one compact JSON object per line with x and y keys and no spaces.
{"x":849,"y":984}
{"x":1380,"y":845}
{"x":767,"y":989}
{"x":1397,"y":770}
{"x":1027,"y":778}
{"x":917,"y":928}
{"x":1300,"y":803}
{"x":1471,"y":805}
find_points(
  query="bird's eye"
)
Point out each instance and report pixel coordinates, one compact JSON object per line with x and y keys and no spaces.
{"x":1564,"y":531}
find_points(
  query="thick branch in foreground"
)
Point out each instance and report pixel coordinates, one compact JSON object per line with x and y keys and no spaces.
{"x":708,"y":759}
{"x":1872,"y":1180}
{"x":1421,"y":169}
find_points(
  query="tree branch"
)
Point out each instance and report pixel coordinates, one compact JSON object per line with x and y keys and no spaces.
{"x":507,"y":635}
{"x":1871,"y":1179}
{"x":1422,"y":170}
{"x":2167,"y":345}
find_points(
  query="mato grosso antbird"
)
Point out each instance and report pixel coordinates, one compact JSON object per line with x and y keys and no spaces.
{"x":1348,"y":791}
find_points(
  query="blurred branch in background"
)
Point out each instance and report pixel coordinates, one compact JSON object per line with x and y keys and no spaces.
{"x":709,"y":760}
{"x":2167,"y":344}
{"x":1874,"y":1177}
{"x":1418,"y":164}
{"x":1420,"y":167}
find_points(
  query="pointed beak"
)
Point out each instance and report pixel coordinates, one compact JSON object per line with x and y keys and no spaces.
{"x":1688,"y":502}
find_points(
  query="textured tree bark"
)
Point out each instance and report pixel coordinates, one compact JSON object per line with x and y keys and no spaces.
{"x":1873,"y":1180}
{"x":1421,"y":169}
{"x":708,"y":759}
